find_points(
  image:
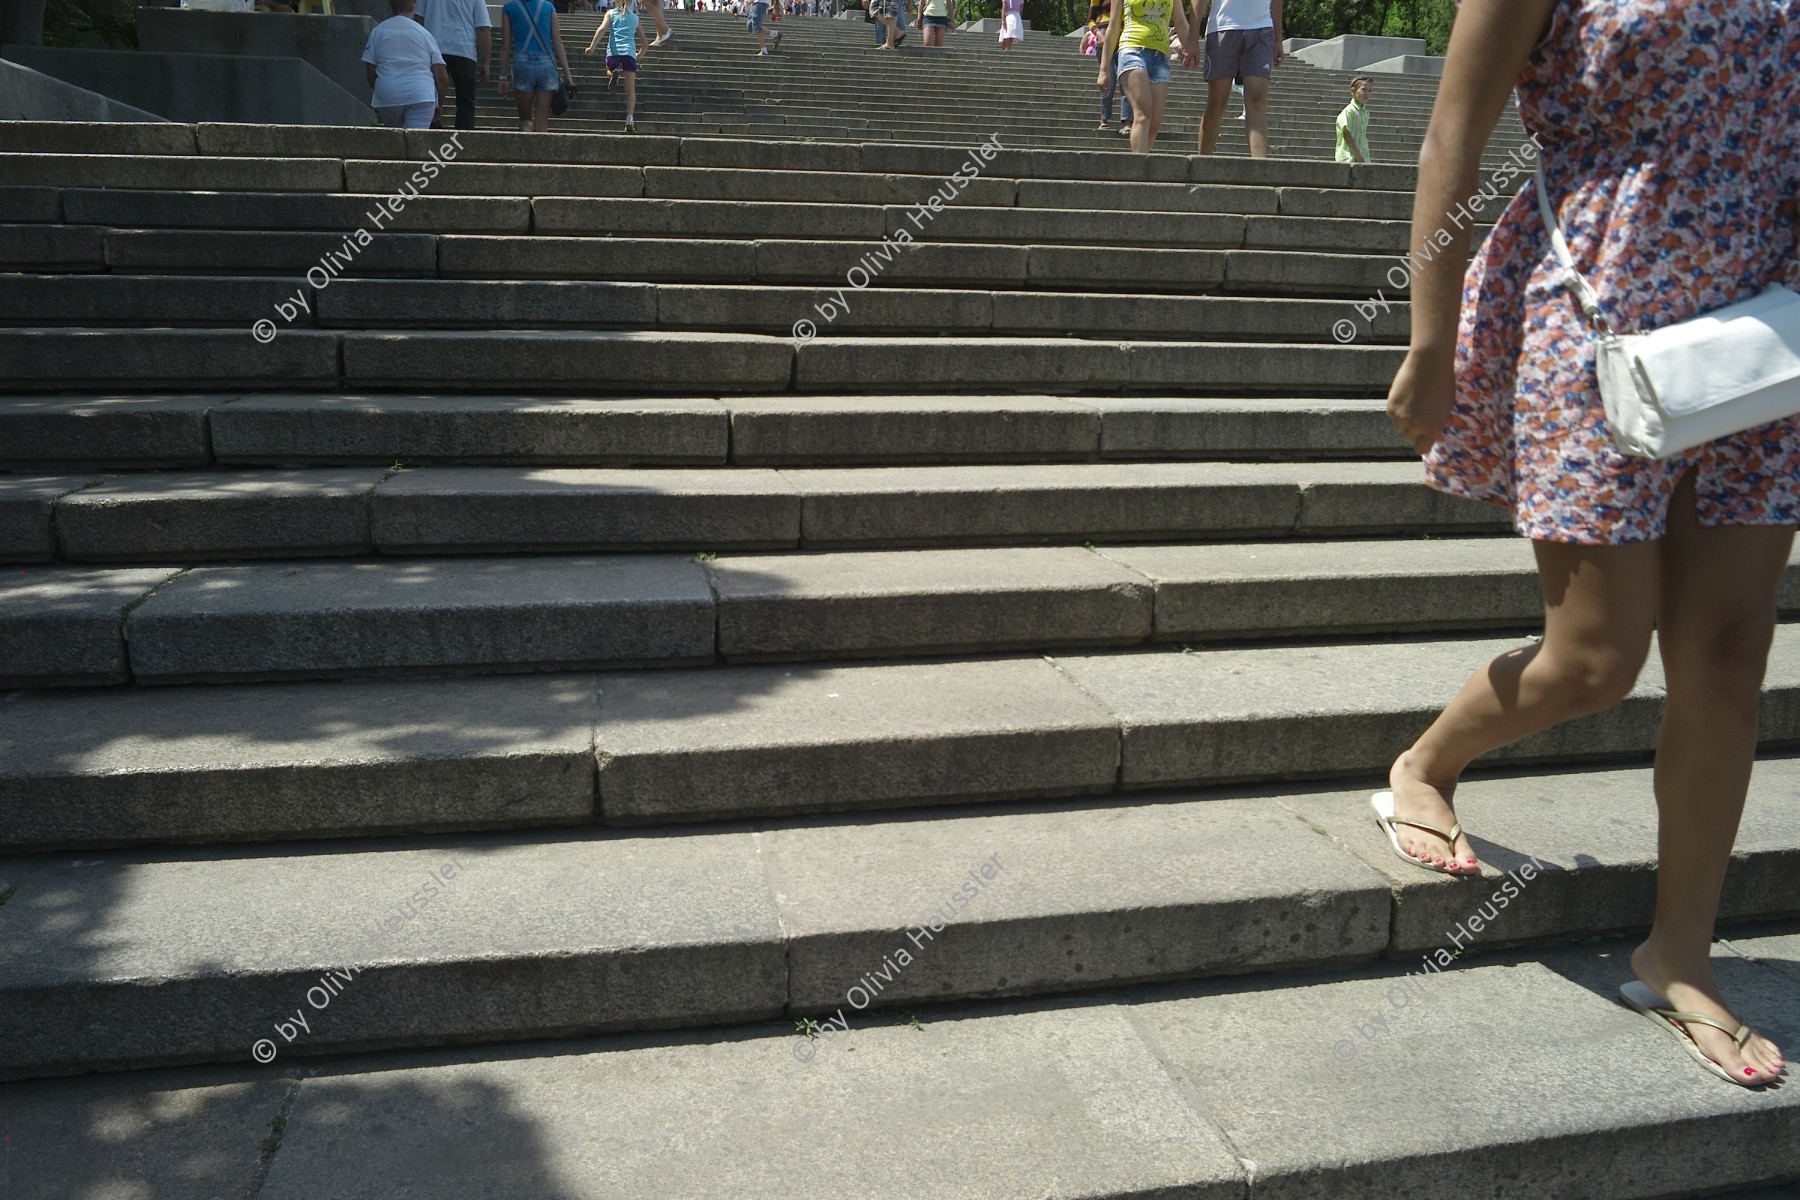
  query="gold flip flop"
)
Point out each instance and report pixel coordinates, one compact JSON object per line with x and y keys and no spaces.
{"x":1639,"y":996}
{"x":1383,"y":804}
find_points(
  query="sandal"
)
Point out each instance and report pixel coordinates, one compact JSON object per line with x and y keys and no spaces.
{"x":1383,"y":804}
{"x":1639,"y":996}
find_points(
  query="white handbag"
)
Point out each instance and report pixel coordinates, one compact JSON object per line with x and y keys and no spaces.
{"x":1700,"y":379}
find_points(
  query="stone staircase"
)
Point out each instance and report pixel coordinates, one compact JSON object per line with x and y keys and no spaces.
{"x":825,"y":83}
{"x":527,"y":687}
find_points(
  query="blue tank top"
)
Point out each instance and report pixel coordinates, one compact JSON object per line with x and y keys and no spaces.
{"x":624,"y":32}
{"x":526,"y":44}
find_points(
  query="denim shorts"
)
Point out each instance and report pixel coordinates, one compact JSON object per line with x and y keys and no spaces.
{"x":534,"y":73}
{"x":758,"y":12}
{"x":934,"y":22}
{"x":1153,"y":63}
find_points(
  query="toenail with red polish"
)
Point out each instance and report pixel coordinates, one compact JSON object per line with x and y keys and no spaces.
{"x":1749,"y":1070}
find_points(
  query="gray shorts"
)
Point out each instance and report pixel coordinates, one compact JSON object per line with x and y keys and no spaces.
{"x":1240,"y":53}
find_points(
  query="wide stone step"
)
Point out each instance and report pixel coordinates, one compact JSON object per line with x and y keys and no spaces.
{"x":187,"y":516}
{"x":51,"y":433}
{"x":529,"y":613}
{"x":86,"y":300}
{"x":328,"y":759}
{"x":1190,"y":1067}
{"x":592,"y":933}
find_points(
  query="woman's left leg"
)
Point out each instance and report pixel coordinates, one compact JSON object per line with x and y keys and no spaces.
{"x":1716,"y":619}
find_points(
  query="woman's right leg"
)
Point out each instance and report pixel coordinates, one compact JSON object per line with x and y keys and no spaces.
{"x":1149,"y":116}
{"x":541,"y":119}
{"x":524,"y":102}
{"x":1600,"y":607}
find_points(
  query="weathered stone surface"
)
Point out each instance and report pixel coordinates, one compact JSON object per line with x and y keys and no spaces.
{"x":587,"y":258}
{"x":196,"y":1133}
{"x":27,"y":530}
{"x":1070,"y":1103}
{"x":190,"y":515}
{"x":1554,"y":868}
{"x":104,"y":431}
{"x":251,"y":250}
{"x":118,"y":299}
{"x":299,"y":141}
{"x":588,"y":362}
{"x":1049,"y":901}
{"x":1167,"y":270}
{"x":464,"y":941}
{"x":61,"y":625}
{"x":1525,"y":1116}
{"x":506,"y":615}
{"x":927,"y":264}
{"x":1067,"y":503}
{"x":899,"y":429}
{"x":30,"y":203}
{"x":719,"y":218}
{"x":505,"y":146}
{"x":763,"y":309}
{"x":47,"y":247}
{"x":488,"y":304}
{"x":275,"y":210}
{"x":1177,"y":427}
{"x":323,"y":760}
{"x":298,"y":428}
{"x":1300,"y":711}
{"x":186,"y":170}
{"x":1146,"y":197}
{"x":95,"y":137}
{"x":913,"y":602}
{"x":493,"y":179}
{"x":165,"y":358}
{"x":467,"y":508}
{"x":1261,"y":590}
{"x":687,"y":745}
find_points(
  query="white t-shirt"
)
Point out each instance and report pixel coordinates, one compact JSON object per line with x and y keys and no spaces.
{"x":1240,"y":14}
{"x":403,"y":52}
{"x":454,"y":22}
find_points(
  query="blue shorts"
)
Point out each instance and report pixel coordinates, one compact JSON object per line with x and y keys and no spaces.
{"x":758,"y":11}
{"x":534,"y":73}
{"x":934,"y":22}
{"x":1153,"y":63}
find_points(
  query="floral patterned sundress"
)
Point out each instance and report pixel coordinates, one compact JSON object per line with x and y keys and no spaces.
{"x":1670,"y":135}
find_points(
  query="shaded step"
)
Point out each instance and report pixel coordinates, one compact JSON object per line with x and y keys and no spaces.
{"x":734,"y":926}
{"x":1188,"y":1065}
{"x":266,"y":513}
{"x":39,"y":432}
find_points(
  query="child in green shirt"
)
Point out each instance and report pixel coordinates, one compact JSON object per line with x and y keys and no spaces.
{"x":1353,"y":123}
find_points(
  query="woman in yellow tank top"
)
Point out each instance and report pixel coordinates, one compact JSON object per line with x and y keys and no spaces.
{"x":1138,"y":35}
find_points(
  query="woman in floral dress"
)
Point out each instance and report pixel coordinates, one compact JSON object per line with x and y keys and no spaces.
{"x":1666,"y":130}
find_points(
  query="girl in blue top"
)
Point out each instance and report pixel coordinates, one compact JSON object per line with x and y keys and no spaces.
{"x":620,"y":27}
{"x":531,"y":40}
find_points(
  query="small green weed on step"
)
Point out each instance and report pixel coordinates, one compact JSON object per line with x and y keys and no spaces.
{"x":806,"y":1027}
{"x":705,"y":555}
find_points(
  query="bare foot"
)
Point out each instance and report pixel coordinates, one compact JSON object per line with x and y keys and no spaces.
{"x":1690,"y":988}
{"x":1417,"y":798}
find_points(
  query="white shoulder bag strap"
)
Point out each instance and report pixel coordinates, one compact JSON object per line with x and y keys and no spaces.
{"x":1571,"y":278}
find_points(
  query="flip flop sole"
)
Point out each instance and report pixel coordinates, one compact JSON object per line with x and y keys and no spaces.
{"x":1638,"y":996}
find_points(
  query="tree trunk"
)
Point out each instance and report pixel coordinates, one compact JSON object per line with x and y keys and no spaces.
{"x":21,"y":22}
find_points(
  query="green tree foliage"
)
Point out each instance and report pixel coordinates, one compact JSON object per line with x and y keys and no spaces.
{"x":1428,"y":19}
{"x":96,"y":24}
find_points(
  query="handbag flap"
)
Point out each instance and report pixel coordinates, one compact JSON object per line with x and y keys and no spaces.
{"x":1708,"y":360}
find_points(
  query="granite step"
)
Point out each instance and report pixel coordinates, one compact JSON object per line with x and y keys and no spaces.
{"x":47,"y":433}
{"x":253,"y":762}
{"x":485,"y":939}
{"x":1008,"y":1101}
{"x":197,"y":515}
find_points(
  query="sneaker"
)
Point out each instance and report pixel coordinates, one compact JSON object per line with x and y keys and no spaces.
{"x":1125,"y":129}
{"x":662,"y":39}
{"x":763,"y":53}
{"x":774,"y":39}
{"x":630,"y":125}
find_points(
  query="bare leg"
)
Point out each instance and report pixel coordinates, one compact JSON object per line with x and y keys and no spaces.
{"x":1256,"y":114}
{"x":1718,"y":616}
{"x":523,"y":102}
{"x":1599,"y":609}
{"x":1218,"y":95}
{"x":542,"y":121}
{"x":1147,"y":100}
{"x":631,"y":95}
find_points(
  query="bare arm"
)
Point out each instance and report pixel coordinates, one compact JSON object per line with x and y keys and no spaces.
{"x":562,"y":52}
{"x":1109,"y":53}
{"x":441,"y":77}
{"x":1275,"y":12}
{"x":605,"y":24}
{"x":484,"y":43}
{"x":369,"y":70}
{"x":1488,"y":47}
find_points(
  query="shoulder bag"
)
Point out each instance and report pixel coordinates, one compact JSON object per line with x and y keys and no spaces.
{"x":1697,"y":380}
